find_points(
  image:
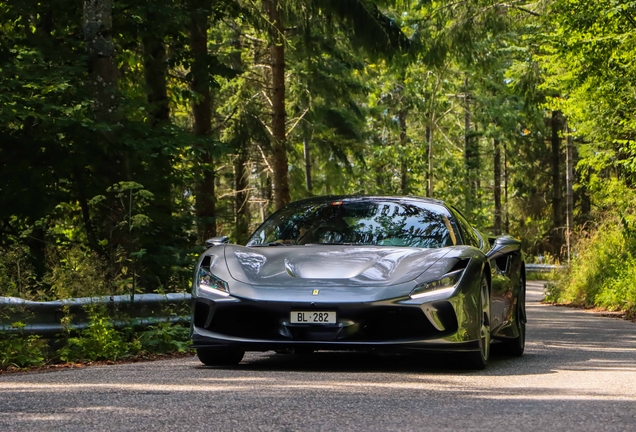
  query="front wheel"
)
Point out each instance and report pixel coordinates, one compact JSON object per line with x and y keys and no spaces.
{"x":220,"y":356}
{"x":479,"y":359}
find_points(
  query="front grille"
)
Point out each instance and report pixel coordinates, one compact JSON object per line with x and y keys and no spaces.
{"x":247,"y":321}
{"x":367,"y":323}
{"x":391,"y":323}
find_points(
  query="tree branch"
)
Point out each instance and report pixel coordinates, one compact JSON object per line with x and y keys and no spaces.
{"x":629,"y":18}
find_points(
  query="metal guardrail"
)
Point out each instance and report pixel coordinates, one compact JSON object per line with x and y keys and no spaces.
{"x":45,"y":318}
{"x":544,"y":268}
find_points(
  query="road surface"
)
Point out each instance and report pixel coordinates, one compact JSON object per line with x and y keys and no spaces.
{"x":578,"y":373}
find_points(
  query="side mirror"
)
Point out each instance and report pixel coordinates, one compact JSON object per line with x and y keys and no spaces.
{"x":503,"y":245}
{"x":216,"y":241}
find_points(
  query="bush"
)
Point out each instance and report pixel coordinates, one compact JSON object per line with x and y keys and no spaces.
{"x":17,"y":275}
{"x":165,"y":337}
{"x":603,"y":274}
{"x":76,"y":272}
{"x":22,"y":351}
{"x":100,"y":341}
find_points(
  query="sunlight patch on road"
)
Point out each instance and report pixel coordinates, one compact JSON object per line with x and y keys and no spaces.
{"x":597,"y":348}
{"x":110,"y":409}
{"x":237,"y":379}
{"x":559,"y":397}
{"x":22,"y":416}
{"x":369,"y":385}
{"x":52,"y":387}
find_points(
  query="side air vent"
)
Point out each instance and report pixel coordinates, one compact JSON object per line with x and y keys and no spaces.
{"x":201,"y":314}
{"x":460,"y":265}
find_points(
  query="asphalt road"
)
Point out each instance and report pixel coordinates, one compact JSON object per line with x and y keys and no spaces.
{"x":578,"y":373}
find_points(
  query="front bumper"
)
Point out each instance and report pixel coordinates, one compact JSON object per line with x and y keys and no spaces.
{"x":399,"y":324}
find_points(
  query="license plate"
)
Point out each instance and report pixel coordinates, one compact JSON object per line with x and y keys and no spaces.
{"x":304,"y":317}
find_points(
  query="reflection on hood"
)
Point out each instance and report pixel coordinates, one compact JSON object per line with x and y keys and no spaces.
{"x":307,"y":265}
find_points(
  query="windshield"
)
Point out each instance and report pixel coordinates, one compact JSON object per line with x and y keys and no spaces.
{"x":358,"y":222}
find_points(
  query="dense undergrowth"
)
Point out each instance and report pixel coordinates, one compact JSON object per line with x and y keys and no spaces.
{"x":603,"y":272}
{"x":100,"y":341}
{"x":76,"y":272}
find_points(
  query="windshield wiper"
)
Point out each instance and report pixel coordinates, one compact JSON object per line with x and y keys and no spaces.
{"x":272,"y":244}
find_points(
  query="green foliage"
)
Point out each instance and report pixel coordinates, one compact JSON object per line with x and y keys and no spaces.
{"x":17,"y":274}
{"x":76,"y":272}
{"x":549,"y":276}
{"x":22,"y":351}
{"x":603,"y":273}
{"x":165,"y":337}
{"x":100,"y":341}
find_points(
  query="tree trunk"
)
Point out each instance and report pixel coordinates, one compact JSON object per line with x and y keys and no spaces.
{"x":429,"y":182}
{"x":505,"y":165}
{"x":156,"y":74}
{"x":581,"y":194}
{"x":380,"y":183}
{"x":307,"y":156}
{"x":91,"y":236}
{"x":586,"y":202}
{"x":471,"y":156}
{"x":241,"y":197}
{"x":202,"y":113}
{"x":404,"y":178}
{"x":557,"y":213}
{"x":279,"y":147}
{"x":44,"y":26}
{"x":310,"y":186}
{"x":113,"y":157}
{"x":569,"y":190}
{"x":497,"y":188}
{"x":265,"y":194}
{"x":102,"y":65}
{"x":429,"y":154}
{"x":159,"y":174}
{"x":467,"y":148}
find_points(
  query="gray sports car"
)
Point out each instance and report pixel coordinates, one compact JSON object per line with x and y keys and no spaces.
{"x":360,"y":273}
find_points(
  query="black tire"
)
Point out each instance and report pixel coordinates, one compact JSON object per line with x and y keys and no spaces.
{"x":515,"y":347}
{"x":220,"y":356}
{"x":478,"y":360}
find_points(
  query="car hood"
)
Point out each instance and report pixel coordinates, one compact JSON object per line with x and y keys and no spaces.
{"x":299,"y":266}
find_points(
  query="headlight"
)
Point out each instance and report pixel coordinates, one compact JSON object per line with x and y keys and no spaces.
{"x":206,"y":281}
{"x":447,"y":282}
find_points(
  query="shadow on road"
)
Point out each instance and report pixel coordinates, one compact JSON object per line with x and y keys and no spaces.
{"x":364,"y":362}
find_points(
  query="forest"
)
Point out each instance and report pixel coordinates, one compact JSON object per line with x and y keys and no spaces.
{"x":131,"y":131}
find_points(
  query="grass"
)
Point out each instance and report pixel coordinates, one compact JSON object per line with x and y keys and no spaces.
{"x":603,"y":273}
